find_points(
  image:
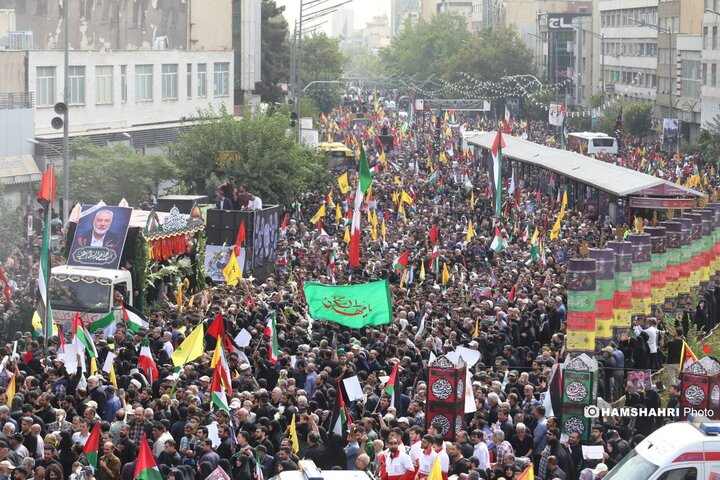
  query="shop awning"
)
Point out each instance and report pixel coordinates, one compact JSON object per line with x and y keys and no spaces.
{"x":18,"y":169}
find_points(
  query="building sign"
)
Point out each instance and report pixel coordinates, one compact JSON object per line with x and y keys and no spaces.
{"x":656,"y":202}
{"x":562,"y":22}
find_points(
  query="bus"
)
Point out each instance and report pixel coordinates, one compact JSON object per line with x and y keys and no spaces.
{"x":589,"y":143}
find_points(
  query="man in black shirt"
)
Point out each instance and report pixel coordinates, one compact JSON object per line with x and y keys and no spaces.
{"x":521,"y":442}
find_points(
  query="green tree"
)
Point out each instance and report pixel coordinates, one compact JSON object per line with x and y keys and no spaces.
{"x":275,"y":52}
{"x":271,"y":164}
{"x":113,"y":173}
{"x":362,"y":62}
{"x":425,"y":48}
{"x":12,"y":227}
{"x":708,"y":140}
{"x":636,"y":119}
{"x":491,"y":55}
{"x":322,"y":60}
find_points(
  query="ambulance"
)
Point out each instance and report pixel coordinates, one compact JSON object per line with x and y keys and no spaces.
{"x":308,"y":471}
{"x":678,"y":451}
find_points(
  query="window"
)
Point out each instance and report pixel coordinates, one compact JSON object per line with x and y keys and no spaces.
{"x":687,"y":473}
{"x":221,"y":79}
{"x":123,"y":83}
{"x":143,"y":83}
{"x":169,"y":82}
{"x":202,"y":80}
{"x":45,"y":86}
{"x":103,"y":84}
{"x":77,"y":85}
{"x":704,"y":73}
{"x":189,"y":81}
{"x":714,"y":38}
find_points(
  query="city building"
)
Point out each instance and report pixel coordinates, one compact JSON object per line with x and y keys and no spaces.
{"x":430,"y":8}
{"x":482,"y":15}
{"x":401,"y":10}
{"x":247,"y":44}
{"x":377,"y":33}
{"x":342,"y":22}
{"x":710,"y":89}
{"x":686,"y":102}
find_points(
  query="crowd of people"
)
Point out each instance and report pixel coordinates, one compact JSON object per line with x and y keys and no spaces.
{"x":508,"y":305}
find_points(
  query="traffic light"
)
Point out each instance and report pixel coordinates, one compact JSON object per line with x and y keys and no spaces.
{"x":57,"y":122}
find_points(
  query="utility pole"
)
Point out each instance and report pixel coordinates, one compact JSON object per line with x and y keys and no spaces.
{"x":66,"y":100}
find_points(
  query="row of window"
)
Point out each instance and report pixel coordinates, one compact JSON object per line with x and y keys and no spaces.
{"x":630,"y":17}
{"x":45,"y":83}
{"x":710,"y":43}
{"x":631,"y":49}
{"x":625,"y":77}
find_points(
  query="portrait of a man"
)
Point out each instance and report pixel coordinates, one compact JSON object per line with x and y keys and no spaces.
{"x":100,"y":235}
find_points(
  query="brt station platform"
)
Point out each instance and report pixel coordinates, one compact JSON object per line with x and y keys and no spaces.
{"x":600,"y":189}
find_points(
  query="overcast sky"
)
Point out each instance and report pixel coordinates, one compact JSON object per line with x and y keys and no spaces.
{"x":363,"y":10}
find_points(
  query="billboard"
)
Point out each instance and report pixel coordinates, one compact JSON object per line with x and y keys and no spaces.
{"x":100,"y":236}
{"x":562,"y":22}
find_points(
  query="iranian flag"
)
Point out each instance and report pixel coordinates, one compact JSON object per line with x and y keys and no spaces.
{"x":401,"y":261}
{"x":146,"y":362}
{"x":498,"y":243}
{"x":82,"y":336}
{"x":145,"y":466}
{"x":364,"y":182}
{"x":496,"y":150}
{"x":93,"y":446}
{"x":134,"y":318}
{"x":271,"y":333}
{"x":46,"y":197}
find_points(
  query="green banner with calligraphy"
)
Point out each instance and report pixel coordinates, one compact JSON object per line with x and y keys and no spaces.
{"x":353,"y":306}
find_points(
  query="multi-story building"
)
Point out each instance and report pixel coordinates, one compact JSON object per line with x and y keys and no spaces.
{"x":482,"y":15}
{"x":342,"y":22}
{"x":400,"y":10}
{"x":688,"y":75}
{"x":710,"y":90}
{"x":377,"y":33}
{"x":457,"y":7}
{"x":630,"y":47}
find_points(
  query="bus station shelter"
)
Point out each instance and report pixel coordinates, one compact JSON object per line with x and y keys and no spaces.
{"x":594,"y":186}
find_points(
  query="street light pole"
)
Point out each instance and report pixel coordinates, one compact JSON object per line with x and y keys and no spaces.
{"x":66,"y":100}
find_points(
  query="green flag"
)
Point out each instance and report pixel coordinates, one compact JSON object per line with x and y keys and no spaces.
{"x":353,"y":306}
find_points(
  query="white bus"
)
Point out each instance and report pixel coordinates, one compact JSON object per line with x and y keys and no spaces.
{"x":589,"y":143}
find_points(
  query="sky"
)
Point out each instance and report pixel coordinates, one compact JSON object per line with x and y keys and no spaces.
{"x":363,"y":10}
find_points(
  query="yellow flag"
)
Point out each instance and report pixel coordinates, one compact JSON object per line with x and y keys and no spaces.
{"x":191,"y":348}
{"x":401,"y":210}
{"x":470,"y":233}
{"x":216,"y":353}
{"x":373,"y":232}
{"x":369,"y":216}
{"x":382,"y":159}
{"x":448,"y":132}
{"x":405,"y":197}
{"x":382,"y":229}
{"x":330,"y":200}
{"x":192,"y":301}
{"x":395,"y":197}
{"x":436,"y":470}
{"x":179,"y":298}
{"x":445,"y":274}
{"x":443,"y":158}
{"x":472,"y":198}
{"x":113,"y":378}
{"x":397,"y":180}
{"x":476,"y":330}
{"x":93,"y":366}
{"x":374,"y":219}
{"x":346,"y":237}
{"x":319,"y":215}
{"x":232,"y":272}
{"x":446,"y":117}
{"x":555,"y":232}
{"x":10,"y":392}
{"x":534,"y":236}
{"x":343,"y":183}
{"x":422,"y":271}
{"x":338,"y":213}
{"x":564,"y":203}
{"x":294,"y":436}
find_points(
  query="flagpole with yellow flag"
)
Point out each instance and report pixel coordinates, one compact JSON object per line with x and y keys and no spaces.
{"x":191,"y":348}
{"x":294,"y":436}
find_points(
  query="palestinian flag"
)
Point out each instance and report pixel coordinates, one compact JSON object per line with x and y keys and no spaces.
{"x":496,"y":150}
{"x":340,"y":417}
{"x":258,"y":466}
{"x":390,"y":386}
{"x":686,"y":355}
{"x":401,"y":262}
{"x":363,"y":184}
{"x":82,"y":336}
{"x":271,"y":333}
{"x":46,"y":198}
{"x":535,"y":246}
{"x":434,"y":263}
{"x":146,"y":362}
{"x":107,"y":321}
{"x":145,"y":465}
{"x":498,"y":244}
{"x":134,"y":318}
{"x":221,"y":384}
{"x":92,"y":446}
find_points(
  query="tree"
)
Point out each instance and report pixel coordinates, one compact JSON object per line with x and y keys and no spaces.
{"x":113,"y":173}
{"x":12,"y":227}
{"x":322,"y":60}
{"x":425,"y":48}
{"x":636,"y":119}
{"x":270,"y":163}
{"x":708,"y":140}
{"x":491,"y":55}
{"x":275,"y":52}
{"x":361,"y":61}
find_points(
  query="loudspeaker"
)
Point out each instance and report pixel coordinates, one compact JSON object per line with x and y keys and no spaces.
{"x":214,"y":236}
{"x":57,"y":123}
{"x":214,"y":219}
{"x":60,"y":108}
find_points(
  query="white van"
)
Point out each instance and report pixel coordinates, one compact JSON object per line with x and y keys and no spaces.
{"x":308,"y":471}
{"x":678,"y":451}
{"x":588,"y":143}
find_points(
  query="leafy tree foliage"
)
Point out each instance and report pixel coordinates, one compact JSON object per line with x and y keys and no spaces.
{"x":275,"y":52}
{"x":113,"y":173}
{"x":12,"y":227}
{"x":322,"y":60}
{"x":426,"y":48}
{"x":708,"y":140}
{"x":271,"y":164}
{"x":636,"y":119}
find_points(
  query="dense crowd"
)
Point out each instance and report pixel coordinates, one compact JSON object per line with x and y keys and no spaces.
{"x":507,"y":305}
